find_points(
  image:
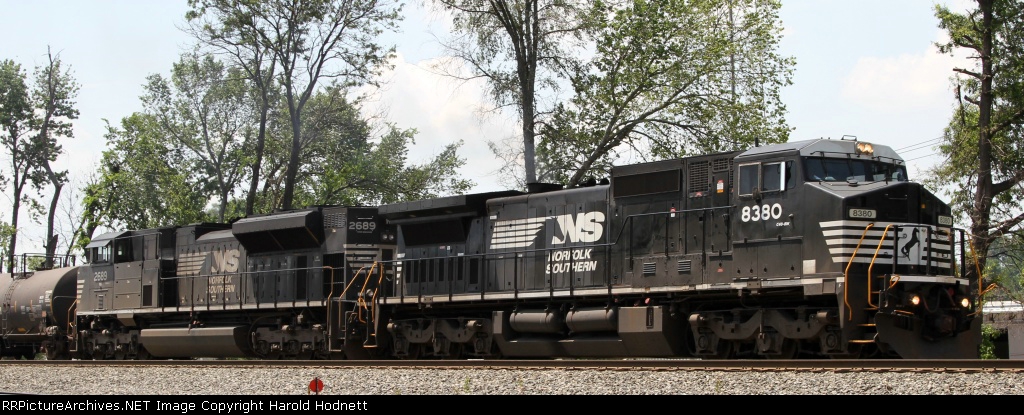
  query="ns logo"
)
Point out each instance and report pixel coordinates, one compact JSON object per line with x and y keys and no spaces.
{"x":568,"y":228}
{"x":225,"y":261}
{"x":585,"y":227}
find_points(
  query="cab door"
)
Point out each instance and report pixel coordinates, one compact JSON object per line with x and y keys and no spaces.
{"x":765,"y":239}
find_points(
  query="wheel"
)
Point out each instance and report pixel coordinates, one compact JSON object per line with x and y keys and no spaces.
{"x":723,"y":351}
{"x":415,"y":350}
{"x":454,"y":351}
{"x":789,"y":350}
{"x":853,"y":351}
{"x":54,"y":351}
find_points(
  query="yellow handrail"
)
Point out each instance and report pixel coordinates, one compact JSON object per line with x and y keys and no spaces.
{"x":872,"y":265}
{"x":846,"y":272}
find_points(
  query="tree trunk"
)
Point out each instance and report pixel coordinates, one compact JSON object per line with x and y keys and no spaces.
{"x":51,"y":239}
{"x":250,"y":199}
{"x":293,"y":164}
{"x":980,"y":216}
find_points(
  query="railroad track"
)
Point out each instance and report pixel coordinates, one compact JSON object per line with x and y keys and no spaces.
{"x":862,"y":365}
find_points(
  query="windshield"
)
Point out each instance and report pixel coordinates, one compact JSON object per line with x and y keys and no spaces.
{"x":841,"y":170}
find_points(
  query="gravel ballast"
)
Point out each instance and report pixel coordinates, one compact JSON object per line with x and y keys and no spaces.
{"x":383,"y":381}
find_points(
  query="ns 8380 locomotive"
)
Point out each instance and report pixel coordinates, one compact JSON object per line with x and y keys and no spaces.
{"x":810,"y":249}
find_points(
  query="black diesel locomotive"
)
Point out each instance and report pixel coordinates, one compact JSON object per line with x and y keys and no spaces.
{"x":814,"y":249}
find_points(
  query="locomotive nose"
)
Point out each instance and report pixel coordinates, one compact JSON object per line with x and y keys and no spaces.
{"x":903,"y":202}
{"x":941,"y":325}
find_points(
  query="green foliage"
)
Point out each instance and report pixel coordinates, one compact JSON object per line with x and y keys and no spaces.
{"x":659,"y":78}
{"x":140,"y":185}
{"x":987,"y":350}
{"x":670,"y":79}
{"x":522,"y":48}
{"x":309,"y":40}
{"x":6,"y":231}
{"x":207,"y":120}
{"x":25,"y":140}
{"x":348,"y":160}
{"x":1005,"y":268}
{"x":984,"y":141}
{"x":54,"y":100}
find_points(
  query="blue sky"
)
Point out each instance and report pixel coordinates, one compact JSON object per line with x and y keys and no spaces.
{"x":865,"y":68}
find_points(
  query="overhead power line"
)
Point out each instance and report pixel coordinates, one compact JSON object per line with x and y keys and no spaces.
{"x":920,"y":145}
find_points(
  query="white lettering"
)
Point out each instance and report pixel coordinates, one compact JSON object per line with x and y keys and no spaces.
{"x":576,"y":260}
{"x":224,"y":261}
{"x":759,"y":213}
{"x":586,"y":228}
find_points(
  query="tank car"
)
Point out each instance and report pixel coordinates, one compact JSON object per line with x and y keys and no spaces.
{"x":819,"y":248}
{"x":36,"y":311}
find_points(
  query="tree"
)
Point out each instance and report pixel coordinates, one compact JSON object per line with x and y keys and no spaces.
{"x":349,"y":160}
{"x":672,"y":78}
{"x":984,"y":142}
{"x":16,"y":129}
{"x":314,"y":40}
{"x":1005,"y":267}
{"x":54,"y":102}
{"x":205,"y":114}
{"x":139,"y":187}
{"x":232,"y":31}
{"x":522,"y":48}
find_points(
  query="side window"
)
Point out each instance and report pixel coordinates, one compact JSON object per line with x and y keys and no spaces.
{"x":103,"y":254}
{"x":748,"y":180}
{"x":773,"y":176}
{"x":788,"y":176}
{"x":769,"y":177}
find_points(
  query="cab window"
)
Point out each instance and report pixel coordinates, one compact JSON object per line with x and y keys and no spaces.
{"x":772,"y":175}
{"x":99,"y":254}
{"x":767,"y":177}
{"x":748,"y":179}
{"x":841,"y":170}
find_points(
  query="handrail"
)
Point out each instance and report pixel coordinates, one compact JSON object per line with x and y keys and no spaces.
{"x":881,"y":240}
{"x":846,"y":272}
{"x":516,"y":254}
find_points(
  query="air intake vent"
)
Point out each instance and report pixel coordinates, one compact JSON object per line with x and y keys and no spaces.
{"x":699,"y":176}
{"x":649,"y":268}
{"x":334,"y":220}
{"x":684,"y":266}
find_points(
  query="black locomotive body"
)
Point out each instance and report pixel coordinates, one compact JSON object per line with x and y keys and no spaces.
{"x":808,"y":249}
{"x":819,"y":248}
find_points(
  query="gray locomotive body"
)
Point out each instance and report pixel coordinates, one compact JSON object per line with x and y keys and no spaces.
{"x":272,"y":286}
{"x":810,"y":249}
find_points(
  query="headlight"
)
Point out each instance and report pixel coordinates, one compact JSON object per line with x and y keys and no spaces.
{"x":913,"y":299}
{"x":865,"y":148}
{"x":965,"y":302}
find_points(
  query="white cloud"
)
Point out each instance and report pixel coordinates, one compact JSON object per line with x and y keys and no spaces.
{"x":909,"y":82}
{"x":443,"y":110}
